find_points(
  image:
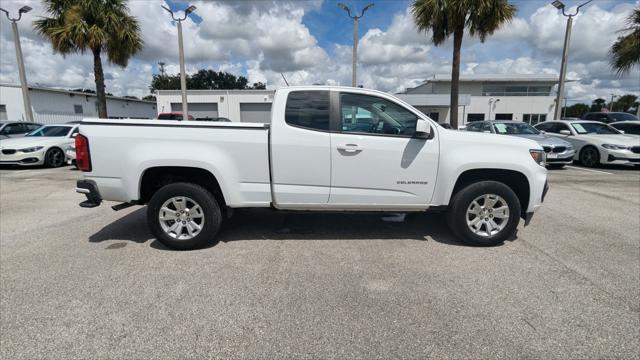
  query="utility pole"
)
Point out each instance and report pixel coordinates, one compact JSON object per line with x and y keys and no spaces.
{"x":183,"y":76}
{"x":354,"y":58}
{"x":565,"y":53}
{"x":23,"y":76}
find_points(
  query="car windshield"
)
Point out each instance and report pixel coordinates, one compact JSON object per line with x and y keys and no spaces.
{"x":51,"y":131}
{"x":623,"y":116}
{"x":594,"y":128}
{"x":515,"y":129}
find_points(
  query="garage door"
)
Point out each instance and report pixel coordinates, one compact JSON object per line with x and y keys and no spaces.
{"x":198,"y":110}
{"x":255,"y":112}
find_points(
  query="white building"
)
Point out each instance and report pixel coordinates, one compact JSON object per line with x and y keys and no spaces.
{"x":526,"y":98}
{"x":51,"y":106}
{"x":507,"y":97}
{"x":236,"y":105}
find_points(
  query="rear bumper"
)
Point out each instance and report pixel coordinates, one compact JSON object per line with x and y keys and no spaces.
{"x":90,"y":190}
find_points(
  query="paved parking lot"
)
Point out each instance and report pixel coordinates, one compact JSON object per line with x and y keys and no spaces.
{"x":87,"y":283}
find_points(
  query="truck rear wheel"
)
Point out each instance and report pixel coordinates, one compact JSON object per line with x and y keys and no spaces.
{"x":484,"y":213}
{"x":184,"y":216}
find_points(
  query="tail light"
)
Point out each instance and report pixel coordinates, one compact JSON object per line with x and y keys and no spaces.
{"x":83,"y":158}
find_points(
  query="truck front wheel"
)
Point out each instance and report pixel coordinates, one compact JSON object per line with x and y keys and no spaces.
{"x":184,"y":216}
{"x":484,"y":213}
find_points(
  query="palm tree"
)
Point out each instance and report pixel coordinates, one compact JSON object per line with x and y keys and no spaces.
{"x":75,"y":26}
{"x":446,"y":17}
{"x":625,"y":52}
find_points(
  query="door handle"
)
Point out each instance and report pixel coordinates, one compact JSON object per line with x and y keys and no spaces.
{"x":349,"y":148}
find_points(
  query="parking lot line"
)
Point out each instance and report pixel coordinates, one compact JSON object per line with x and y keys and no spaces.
{"x":583,"y":169}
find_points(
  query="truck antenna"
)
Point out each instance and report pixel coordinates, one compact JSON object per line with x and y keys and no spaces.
{"x":285,"y":79}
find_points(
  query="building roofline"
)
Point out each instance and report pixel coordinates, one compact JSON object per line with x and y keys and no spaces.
{"x":42,"y":88}
{"x":497,"y":78}
{"x":214,"y":91}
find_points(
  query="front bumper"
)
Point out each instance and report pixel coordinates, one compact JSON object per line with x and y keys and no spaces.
{"x":529,"y":215}
{"x":90,"y":190}
{"x":620,"y":157}
{"x":565,"y":157}
{"x":21,"y":158}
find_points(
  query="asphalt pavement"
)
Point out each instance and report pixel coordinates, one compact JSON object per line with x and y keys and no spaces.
{"x":93,"y":283}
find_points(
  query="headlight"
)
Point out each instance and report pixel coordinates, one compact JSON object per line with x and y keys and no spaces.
{"x":32,"y":149}
{"x":538,"y":156}
{"x":615,"y":147}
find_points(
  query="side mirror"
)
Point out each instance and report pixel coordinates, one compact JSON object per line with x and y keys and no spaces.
{"x":622,"y":132}
{"x":565,"y":132}
{"x":542,"y":132}
{"x":74,"y":135}
{"x":486,"y":131}
{"x":423,"y":129}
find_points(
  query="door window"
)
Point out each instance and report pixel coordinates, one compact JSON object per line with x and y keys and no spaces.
{"x":308,"y":109}
{"x":374,"y":115}
{"x":486,"y":127}
{"x":474,"y":127}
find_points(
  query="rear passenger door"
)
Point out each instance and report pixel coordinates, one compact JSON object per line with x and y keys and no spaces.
{"x":301,"y":150}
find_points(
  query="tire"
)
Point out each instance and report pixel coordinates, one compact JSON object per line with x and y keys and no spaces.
{"x":589,"y":156}
{"x":461,"y":203}
{"x":54,"y":158}
{"x":199,"y":207}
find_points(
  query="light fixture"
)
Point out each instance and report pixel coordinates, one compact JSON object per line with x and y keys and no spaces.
{"x":558,"y":4}
{"x":24,"y":9}
{"x":343,"y":6}
{"x":190,"y":9}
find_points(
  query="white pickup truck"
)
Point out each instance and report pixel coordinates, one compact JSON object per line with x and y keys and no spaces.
{"x":326,"y":149}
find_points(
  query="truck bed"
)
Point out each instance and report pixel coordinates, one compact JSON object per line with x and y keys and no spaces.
{"x":237,"y":154}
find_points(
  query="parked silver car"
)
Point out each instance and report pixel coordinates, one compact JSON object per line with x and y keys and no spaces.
{"x":559,"y":152}
{"x":9,"y":129}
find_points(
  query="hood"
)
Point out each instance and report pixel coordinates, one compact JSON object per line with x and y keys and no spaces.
{"x":29,"y":141}
{"x":619,"y":139}
{"x":546,"y":140}
{"x":494,"y":139}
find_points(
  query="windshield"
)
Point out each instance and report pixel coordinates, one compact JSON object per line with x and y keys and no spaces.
{"x":623,"y":116}
{"x":515,"y":129}
{"x":51,"y":131}
{"x":594,"y":128}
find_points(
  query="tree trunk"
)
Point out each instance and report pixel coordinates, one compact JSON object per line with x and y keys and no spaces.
{"x":99,"y":78}
{"x":455,"y":76}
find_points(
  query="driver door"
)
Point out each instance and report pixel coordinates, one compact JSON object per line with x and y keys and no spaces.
{"x":376,"y":162}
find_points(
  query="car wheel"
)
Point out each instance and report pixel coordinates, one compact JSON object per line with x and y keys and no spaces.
{"x":589,"y":156}
{"x":54,"y":158}
{"x":484,"y":214}
{"x":184,"y":216}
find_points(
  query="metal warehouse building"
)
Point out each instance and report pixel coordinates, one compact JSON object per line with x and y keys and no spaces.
{"x":51,"y":106}
{"x":526,"y":98}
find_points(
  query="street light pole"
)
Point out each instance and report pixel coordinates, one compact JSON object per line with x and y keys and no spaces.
{"x":183,"y":75}
{"x":565,"y":53}
{"x":355,"y":39}
{"x":23,"y":76}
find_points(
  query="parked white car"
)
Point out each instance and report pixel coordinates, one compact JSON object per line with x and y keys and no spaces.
{"x":11,"y":129}
{"x":326,"y":149}
{"x":44,"y":146}
{"x":595,"y":142}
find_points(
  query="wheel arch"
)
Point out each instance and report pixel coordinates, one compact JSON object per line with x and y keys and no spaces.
{"x":153,"y":178}
{"x":515,"y":180}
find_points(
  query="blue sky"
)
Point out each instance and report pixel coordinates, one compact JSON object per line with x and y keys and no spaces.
{"x":310,"y":41}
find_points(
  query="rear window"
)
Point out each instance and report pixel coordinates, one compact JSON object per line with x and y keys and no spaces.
{"x":308,"y":109}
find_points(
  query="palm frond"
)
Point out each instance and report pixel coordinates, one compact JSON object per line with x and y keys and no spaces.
{"x":625,"y":52}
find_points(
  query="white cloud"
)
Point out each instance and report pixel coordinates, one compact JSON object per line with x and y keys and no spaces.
{"x":261,"y":39}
